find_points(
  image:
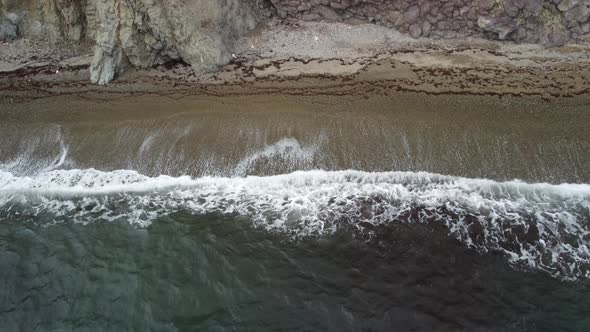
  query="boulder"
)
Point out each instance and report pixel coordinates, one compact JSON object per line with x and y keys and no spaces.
{"x":415,"y":31}
{"x":498,"y":26}
{"x":566,"y":5}
{"x":9,"y":23}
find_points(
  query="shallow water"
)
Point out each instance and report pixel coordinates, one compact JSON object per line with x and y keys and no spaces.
{"x":476,"y":137}
{"x":292,"y":213}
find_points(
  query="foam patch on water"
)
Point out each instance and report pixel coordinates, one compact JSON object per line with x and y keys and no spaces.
{"x":540,"y":226}
{"x":286,"y":150}
{"x":46,"y":150}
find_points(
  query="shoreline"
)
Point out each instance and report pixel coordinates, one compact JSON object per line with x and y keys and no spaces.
{"x":363,"y":60}
{"x":495,"y":138}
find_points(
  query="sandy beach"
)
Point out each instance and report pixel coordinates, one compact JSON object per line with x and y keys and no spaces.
{"x":317,"y":58}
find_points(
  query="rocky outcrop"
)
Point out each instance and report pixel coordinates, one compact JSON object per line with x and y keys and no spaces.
{"x":139,"y":33}
{"x":9,"y":24}
{"x":148,"y":32}
{"x":202,"y":33}
{"x":54,"y":20}
{"x":532,"y":21}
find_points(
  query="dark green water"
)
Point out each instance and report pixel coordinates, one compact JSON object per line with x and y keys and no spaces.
{"x":213,"y":273}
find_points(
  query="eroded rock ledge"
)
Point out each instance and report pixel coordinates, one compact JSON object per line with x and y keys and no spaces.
{"x":203,"y":33}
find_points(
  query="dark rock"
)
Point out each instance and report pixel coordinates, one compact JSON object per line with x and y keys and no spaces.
{"x":511,"y":8}
{"x":415,"y":31}
{"x":412,"y":14}
{"x":532,"y":7}
{"x":566,"y":5}
{"x":8,"y":30}
{"x":426,"y":26}
{"x":328,"y":13}
{"x":580,"y":13}
{"x":485,"y":5}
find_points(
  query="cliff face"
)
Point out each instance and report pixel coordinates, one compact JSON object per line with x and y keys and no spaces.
{"x":139,"y":33}
{"x":55,"y":20}
{"x":148,"y":32}
{"x":531,"y":21}
{"x":202,"y":32}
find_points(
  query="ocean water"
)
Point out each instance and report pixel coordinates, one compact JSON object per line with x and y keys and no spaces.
{"x":233,"y":222}
{"x":91,"y":250}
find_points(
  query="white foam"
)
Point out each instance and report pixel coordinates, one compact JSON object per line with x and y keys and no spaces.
{"x":287,"y":150}
{"x":316,"y":203}
{"x":32,"y":156}
{"x":59,"y":161}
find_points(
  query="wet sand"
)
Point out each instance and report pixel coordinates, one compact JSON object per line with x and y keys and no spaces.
{"x":474,"y":109}
{"x":432,"y":72}
{"x":270,"y":133}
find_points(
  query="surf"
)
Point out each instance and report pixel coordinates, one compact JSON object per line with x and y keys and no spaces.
{"x":534,"y":225}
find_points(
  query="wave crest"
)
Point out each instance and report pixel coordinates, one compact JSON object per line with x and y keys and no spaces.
{"x":540,"y":226}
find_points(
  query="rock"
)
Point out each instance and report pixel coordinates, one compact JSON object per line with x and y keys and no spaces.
{"x":426,"y":26}
{"x":532,"y":7}
{"x":328,"y":13}
{"x":415,"y":31}
{"x":9,"y":23}
{"x":144,"y":33}
{"x":485,"y":5}
{"x":53,"y":20}
{"x":311,"y":17}
{"x":412,"y":14}
{"x":580,"y":13}
{"x":8,"y":30}
{"x":501,"y":28}
{"x":511,"y":8}
{"x":107,"y":65}
{"x":452,"y":17}
{"x":13,"y":18}
{"x":566,"y":5}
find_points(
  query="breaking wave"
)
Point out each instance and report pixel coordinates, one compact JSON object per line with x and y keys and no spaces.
{"x":539,"y":226}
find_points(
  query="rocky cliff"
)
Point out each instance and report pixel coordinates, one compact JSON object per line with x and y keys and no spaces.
{"x":202,"y":33}
{"x":55,"y":20}
{"x":147,"y":32}
{"x":139,"y":33}
{"x":532,"y":21}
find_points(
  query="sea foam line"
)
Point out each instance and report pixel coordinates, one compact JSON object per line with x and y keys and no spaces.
{"x":543,"y":226}
{"x":91,"y":181}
